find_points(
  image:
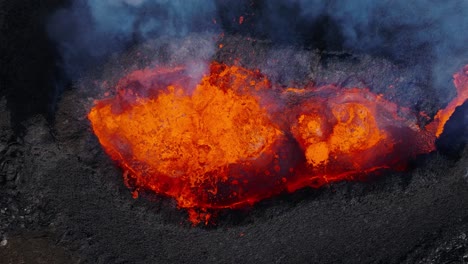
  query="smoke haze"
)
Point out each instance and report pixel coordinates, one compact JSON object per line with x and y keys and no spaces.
{"x":417,"y":32}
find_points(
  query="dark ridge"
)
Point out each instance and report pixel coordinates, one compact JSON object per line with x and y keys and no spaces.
{"x":455,"y":136}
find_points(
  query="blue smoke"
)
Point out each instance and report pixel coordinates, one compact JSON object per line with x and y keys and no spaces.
{"x":89,"y":30}
{"x":420,"y":31}
{"x":406,"y":27}
{"x":437,"y":30}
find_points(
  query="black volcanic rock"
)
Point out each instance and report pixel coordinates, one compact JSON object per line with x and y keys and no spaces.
{"x":62,"y":200}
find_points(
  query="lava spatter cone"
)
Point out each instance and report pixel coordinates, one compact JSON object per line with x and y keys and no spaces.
{"x":234,"y":138}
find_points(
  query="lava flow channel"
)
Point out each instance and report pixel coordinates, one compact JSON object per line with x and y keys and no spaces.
{"x":236,"y":138}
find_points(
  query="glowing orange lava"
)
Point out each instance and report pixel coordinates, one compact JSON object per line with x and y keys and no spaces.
{"x":234,"y":138}
{"x":443,"y":115}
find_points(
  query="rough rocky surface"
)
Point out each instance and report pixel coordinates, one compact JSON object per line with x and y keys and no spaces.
{"x":61,"y":194}
{"x":62,"y":200}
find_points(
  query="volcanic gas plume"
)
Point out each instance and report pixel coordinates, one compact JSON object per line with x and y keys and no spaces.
{"x":237,"y":138}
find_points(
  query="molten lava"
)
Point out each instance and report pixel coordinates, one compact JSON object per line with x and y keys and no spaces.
{"x":234,"y":138}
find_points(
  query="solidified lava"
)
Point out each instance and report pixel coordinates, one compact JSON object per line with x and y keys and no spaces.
{"x":235,"y":138}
